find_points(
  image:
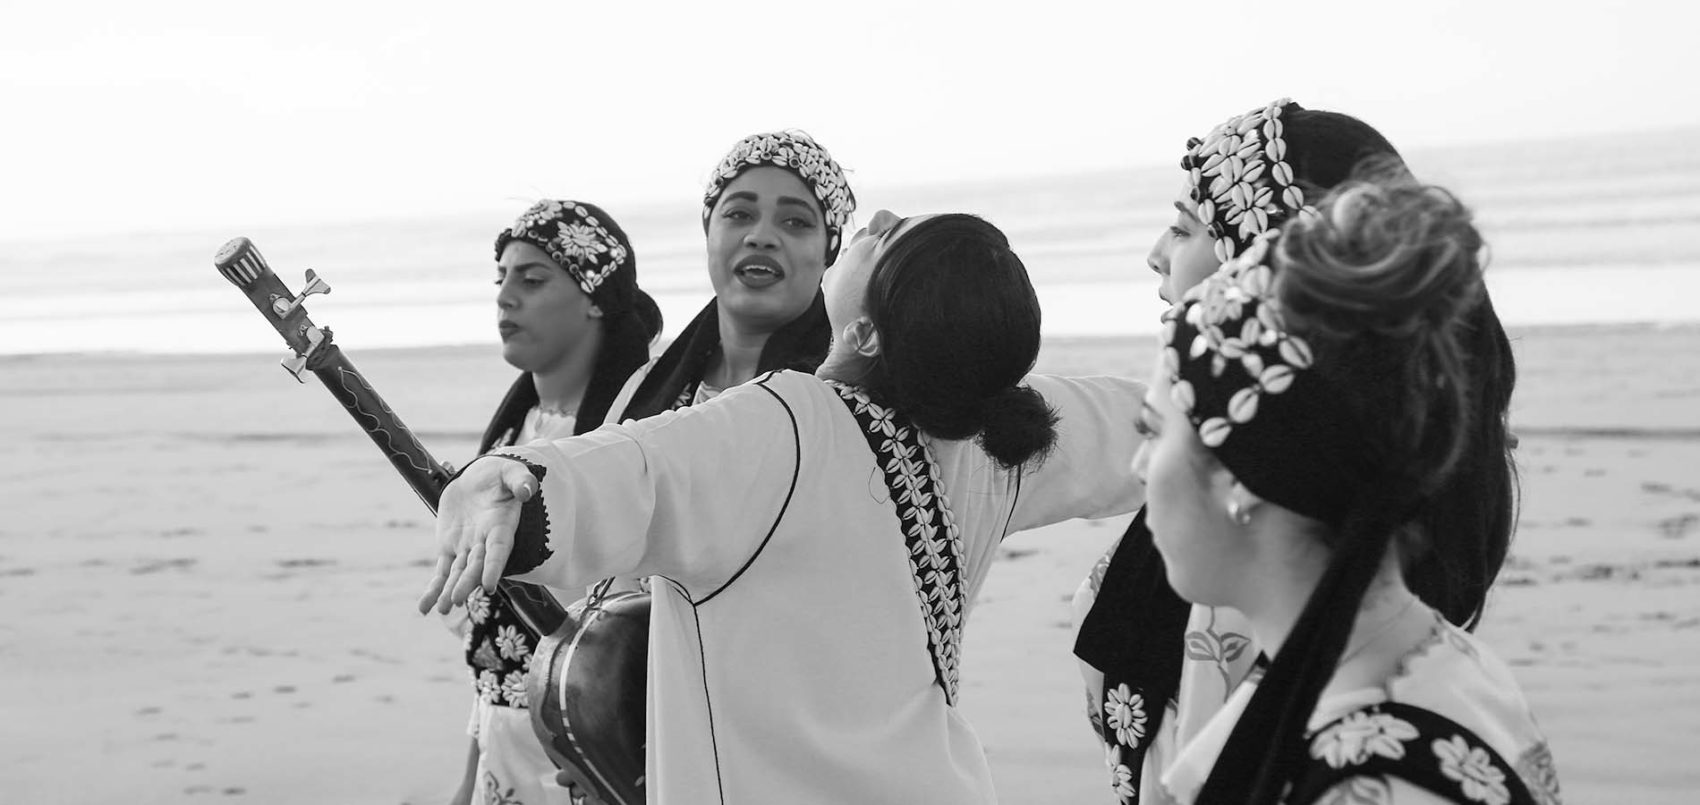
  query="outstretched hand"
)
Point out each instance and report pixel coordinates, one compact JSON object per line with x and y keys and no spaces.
{"x":476,"y":519}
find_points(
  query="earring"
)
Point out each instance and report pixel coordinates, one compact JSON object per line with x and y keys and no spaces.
{"x":1241,"y":515}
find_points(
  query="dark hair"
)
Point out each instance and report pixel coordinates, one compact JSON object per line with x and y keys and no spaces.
{"x":1464,"y":530}
{"x":630,"y":321}
{"x":1385,"y":283}
{"x":626,"y":336}
{"x":1458,"y":540}
{"x":958,"y":323}
{"x":1325,"y":149}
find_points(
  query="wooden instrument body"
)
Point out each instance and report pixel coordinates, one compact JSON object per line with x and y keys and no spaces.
{"x":587,"y":692}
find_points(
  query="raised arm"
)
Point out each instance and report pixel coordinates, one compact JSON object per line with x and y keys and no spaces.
{"x":1090,"y":471}
{"x":688,"y":495}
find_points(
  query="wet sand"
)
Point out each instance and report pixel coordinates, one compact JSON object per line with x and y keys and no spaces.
{"x":209,"y":576}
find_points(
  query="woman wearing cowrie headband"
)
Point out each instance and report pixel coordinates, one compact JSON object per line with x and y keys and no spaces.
{"x":1310,"y":399}
{"x":816,"y":541}
{"x":1157,"y":667}
{"x":575,"y":323}
{"x":773,"y":217}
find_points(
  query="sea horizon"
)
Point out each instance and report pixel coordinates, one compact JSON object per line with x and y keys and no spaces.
{"x":1588,"y":231}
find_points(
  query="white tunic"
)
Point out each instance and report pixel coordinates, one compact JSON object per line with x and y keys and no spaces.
{"x":788,"y":656}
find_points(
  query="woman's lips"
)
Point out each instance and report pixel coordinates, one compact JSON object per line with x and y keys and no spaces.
{"x":758,"y":271}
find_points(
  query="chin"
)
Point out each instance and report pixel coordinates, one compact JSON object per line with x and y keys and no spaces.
{"x":516,"y":357}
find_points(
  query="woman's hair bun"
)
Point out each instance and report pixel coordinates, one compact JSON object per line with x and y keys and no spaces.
{"x":1017,"y":426}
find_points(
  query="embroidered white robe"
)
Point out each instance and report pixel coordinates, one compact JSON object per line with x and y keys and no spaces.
{"x":788,"y":655}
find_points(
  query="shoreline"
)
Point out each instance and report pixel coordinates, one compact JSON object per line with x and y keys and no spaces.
{"x":1050,"y":342}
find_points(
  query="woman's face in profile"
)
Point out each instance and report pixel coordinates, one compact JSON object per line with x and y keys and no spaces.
{"x":846,"y":284}
{"x":1185,"y":254}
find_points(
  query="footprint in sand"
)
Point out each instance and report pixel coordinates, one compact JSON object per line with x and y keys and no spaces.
{"x":1679,"y":526}
{"x":310,"y":562}
{"x":158,"y":565}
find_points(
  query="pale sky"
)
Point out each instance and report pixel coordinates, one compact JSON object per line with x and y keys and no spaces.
{"x":127,"y":116}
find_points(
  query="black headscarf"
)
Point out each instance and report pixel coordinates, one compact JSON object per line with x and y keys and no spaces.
{"x":801,"y":345}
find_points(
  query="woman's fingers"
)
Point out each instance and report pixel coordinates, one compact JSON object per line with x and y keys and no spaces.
{"x":434,"y":588}
{"x":457,"y":568}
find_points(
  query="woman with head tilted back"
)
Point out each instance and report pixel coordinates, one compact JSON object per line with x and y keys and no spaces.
{"x":575,"y":323}
{"x":1310,"y":398}
{"x":1156,"y":667}
{"x":817,"y":540}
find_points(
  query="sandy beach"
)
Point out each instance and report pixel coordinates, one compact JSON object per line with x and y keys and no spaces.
{"x":209,"y":577}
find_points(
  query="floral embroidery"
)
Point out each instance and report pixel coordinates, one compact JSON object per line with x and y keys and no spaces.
{"x":1221,"y":649}
{"x":478,"y":605}
{"x":493,"y":793}
{"x":929,"y":528}
{"x":1358,"y":736}
{"x":1121,"y":776}
{"x":501,"y":646}
{"x":1241,"y":181}
{"x":1125,"y":712}
{"x":512,"y":643}
{"x":1538,"y":772}
{"x":1377,"y":743}
{"x":513,"y":688}
{"x":1472,"y":768}
{"x":489,"y":687}
{"x":573,"y":236}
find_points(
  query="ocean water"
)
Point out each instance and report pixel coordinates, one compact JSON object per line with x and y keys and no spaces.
{"x":1589,"y":231}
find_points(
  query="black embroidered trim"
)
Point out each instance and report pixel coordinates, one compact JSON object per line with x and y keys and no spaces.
{"x":531,"y":538}
{"x":1419,"y":746}
{"x":929,"y":528}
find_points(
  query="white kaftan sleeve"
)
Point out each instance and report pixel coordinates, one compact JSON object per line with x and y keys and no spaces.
{"x":1090,"y":471}
{"x":689,"y":494}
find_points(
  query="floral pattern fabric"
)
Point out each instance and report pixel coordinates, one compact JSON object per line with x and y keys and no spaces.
{"x":1423,"y":748}
{"x":572,"y":235}
{"x":499,"y":648}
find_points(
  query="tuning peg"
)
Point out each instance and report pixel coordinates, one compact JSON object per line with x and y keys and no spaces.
{"x":296,"y":364}
{"x":283,"y":307}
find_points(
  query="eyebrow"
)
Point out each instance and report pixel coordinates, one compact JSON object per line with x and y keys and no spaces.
{"x":785,"y":201}
{"x":1186,"y":212}
{"x":525,"y":265}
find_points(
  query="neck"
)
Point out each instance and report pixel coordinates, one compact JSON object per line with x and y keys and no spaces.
{"x":740,"y":354}
{"x":561,"y":387}
{"x":1277,"y":592}
{"x":1274,"y":607}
